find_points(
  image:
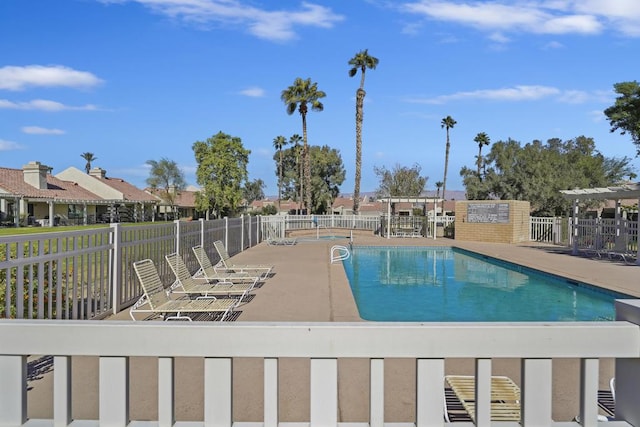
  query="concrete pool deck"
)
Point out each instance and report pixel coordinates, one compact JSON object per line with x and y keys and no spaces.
{"x":307,"y":288}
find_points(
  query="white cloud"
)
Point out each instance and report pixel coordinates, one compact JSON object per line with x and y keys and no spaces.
{"x":254,"y":92}
{"x":553,"y":45}
{"x":43,"y":105}
{"x":9,"y":145}
{"x":516,"y":93}
{"x":19,"y":78}
{"x":270,"y":25}
{"x":36,"y":130}
{"x":534,"y":16}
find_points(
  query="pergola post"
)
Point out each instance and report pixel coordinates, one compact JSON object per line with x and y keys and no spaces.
{"x":574,"y":223}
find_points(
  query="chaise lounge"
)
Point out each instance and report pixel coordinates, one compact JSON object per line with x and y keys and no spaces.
{"x":156,"y":301}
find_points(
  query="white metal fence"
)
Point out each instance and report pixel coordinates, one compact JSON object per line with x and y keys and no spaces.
{"x":87,"y":274}
{"x":430,"y":345}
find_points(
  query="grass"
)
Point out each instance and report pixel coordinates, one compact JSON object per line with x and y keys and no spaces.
{"x":15,"y":231}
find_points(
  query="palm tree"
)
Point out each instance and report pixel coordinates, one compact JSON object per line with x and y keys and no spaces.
{"x":89,"y":157}
{"x":302,"y":95}
{"x":361,"y":61}
{"x":295,"y":141}
{"x":482,"y":139}
{"x":279,"y":142}
{"x":438,"y":187}
{"x":447,"y":123}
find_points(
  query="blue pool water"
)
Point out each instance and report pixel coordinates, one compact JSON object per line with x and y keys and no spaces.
{"x":450,"y":285}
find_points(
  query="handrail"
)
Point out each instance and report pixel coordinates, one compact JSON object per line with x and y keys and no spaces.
{"x":343,"y":253}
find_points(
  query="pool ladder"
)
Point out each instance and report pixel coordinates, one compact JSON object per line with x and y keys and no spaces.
{"x":339,"y":253}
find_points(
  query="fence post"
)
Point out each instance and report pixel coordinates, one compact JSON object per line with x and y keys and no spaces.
{"x":116,"y":267}
{"x":226,"y":231}
{"x":241,"y":232}
{"x":177,"y":224}
{"x":258,"y":224}
{"x":201,"y":232}
{"x":627,"y":370}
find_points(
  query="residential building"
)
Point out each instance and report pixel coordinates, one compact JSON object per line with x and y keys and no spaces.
{"x":127,"y":203}
{"x":32,"y":196}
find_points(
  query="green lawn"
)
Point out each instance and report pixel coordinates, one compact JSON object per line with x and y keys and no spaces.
{"x":13,"y":231}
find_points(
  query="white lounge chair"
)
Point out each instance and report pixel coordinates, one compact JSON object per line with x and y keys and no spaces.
{"x":156,"y":301}
{"x":505,"y":396}
{"x":274,"y":240}
{"x":226,"y":264}
{"x":209,"y":272}
{"x":186,"y":284}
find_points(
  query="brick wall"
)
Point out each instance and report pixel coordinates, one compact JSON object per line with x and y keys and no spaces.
{"x":473,"y":216}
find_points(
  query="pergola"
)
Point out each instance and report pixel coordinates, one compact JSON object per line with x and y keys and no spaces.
{"x":617,"y":193}
{"x":424,"y":200}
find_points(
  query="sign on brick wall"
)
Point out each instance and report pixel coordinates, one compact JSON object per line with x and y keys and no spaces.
{"x":488,"y":213}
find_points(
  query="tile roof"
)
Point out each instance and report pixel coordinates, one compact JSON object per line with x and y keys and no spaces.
{"x":130,"y":192}
{"x":12,"y":182}
{"x":184,"y":198}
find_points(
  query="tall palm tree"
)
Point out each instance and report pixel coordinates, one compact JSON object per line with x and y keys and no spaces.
{"x":295,"y":141}
{"x":279,"y":142}
{"x":302,"y":95}
{"x":89,"y":157}
{"x":361,"y":61}
{"x":447,"y":123}
{"x":438,"y":187}
{"x":482,"y":139}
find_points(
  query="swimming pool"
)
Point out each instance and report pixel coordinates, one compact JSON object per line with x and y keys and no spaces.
{"x":429,"y":284}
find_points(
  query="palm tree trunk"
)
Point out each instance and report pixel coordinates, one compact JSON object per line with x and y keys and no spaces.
{"x":280,"y":182}
{"x":360,"y":94}
{"x":307,"y":166}
{"x":446,"y":166}
{"x":479,"y":159}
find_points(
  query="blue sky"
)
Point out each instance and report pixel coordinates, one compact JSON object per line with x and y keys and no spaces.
{"x":138,"y":80}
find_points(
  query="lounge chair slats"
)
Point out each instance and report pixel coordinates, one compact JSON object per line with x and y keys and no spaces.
{"x":505,"y":396}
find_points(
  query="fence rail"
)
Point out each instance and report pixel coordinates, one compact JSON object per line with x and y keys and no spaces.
{"x":87,"y":274}
{"x":324,"y":344}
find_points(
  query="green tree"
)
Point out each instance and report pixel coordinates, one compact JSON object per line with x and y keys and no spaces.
{"x":447,"y":123}
{"x":481,"y":139}
{"x":328,"y":174}
{"x":537,"y":171}
{"x":278,"y":143}
{"x":222,"y":170}
{"x":624,"y":115}
{"x":253,"y":190}
{"x":302,"y":95}
{"x":402,"y":181}
{"x":361,"y":61}
{"x":88,"y":157}
{"x":166,"y":176}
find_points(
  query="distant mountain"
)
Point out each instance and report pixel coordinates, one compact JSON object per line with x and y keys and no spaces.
{"x":451,"y":194}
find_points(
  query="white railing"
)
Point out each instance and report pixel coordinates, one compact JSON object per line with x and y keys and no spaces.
{"x":339,"y":253}
{"x":536,"y":344}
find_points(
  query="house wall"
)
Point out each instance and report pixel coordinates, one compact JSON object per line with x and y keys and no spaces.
{"x":495,"y":221}
{"x":90,"y":183}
